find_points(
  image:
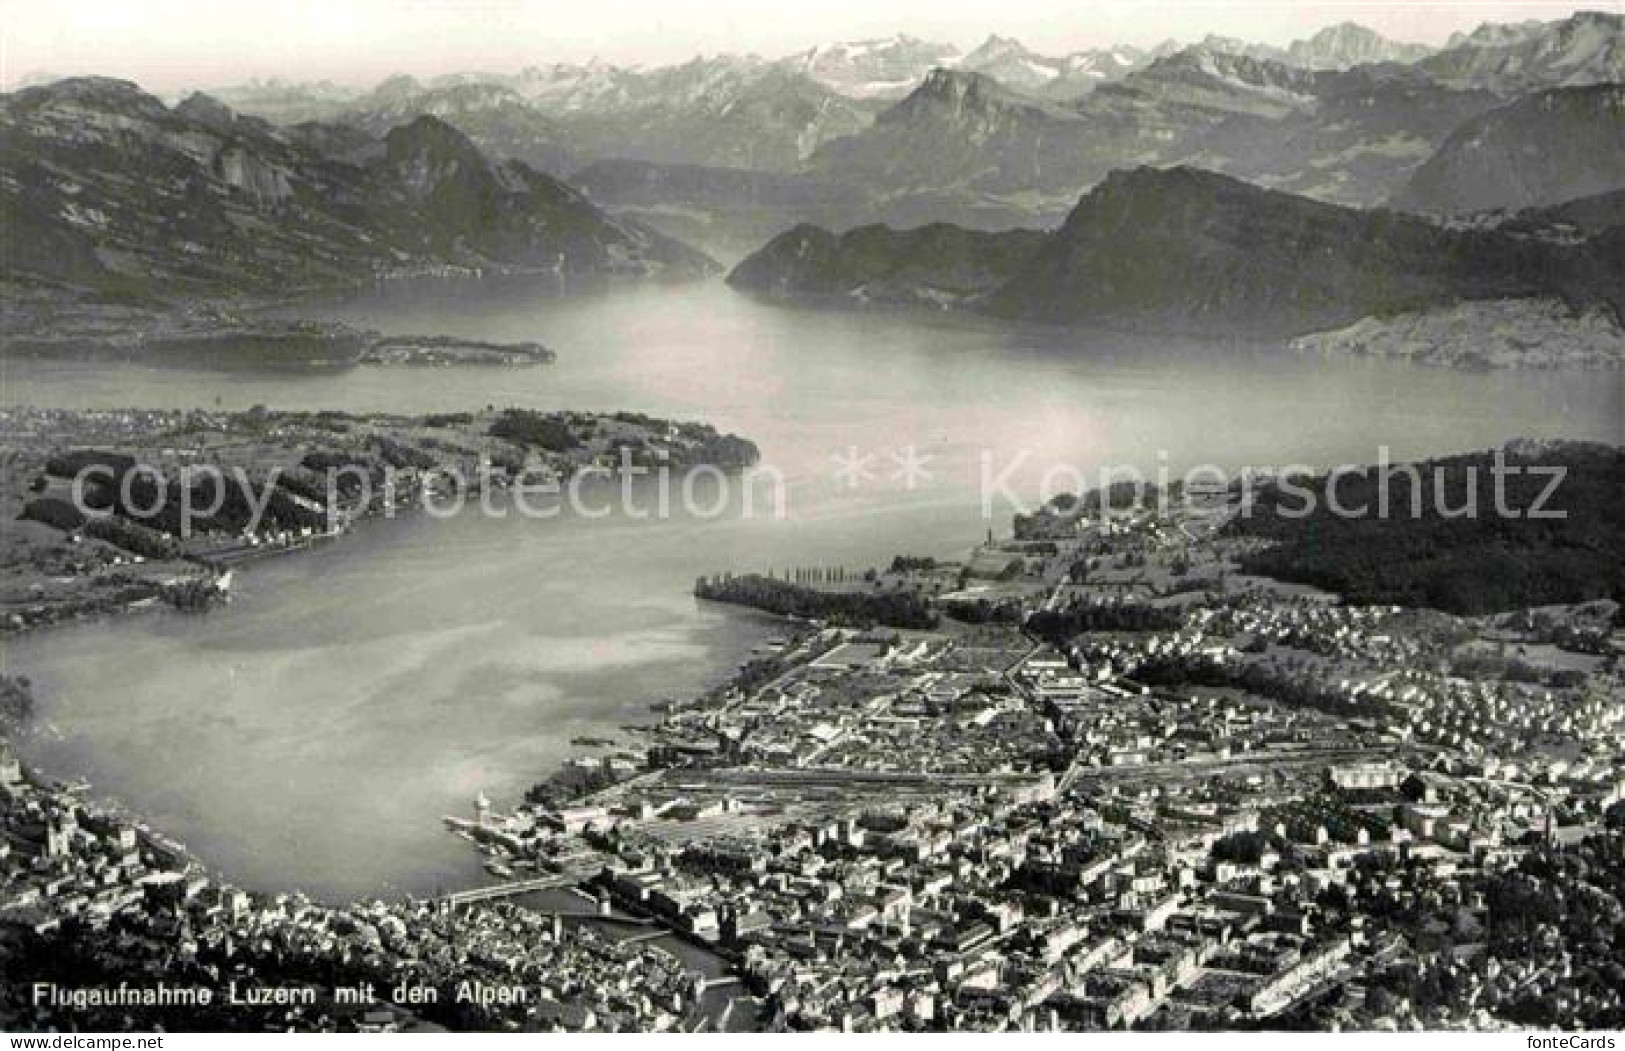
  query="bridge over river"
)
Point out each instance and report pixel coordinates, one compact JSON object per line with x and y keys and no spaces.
{"x":512,"y":889}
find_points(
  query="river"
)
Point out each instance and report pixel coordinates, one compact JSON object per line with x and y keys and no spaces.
{"x":312,"y":733}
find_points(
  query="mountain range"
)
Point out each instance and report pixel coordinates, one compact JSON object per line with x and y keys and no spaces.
{"x":1185,"y":250}
{"x":1349,"y":44}
{"x":1220,"y":185}
{"x":495,"y":116}
{"x":1585,"y":48}
{"x":104,"y":189}
{"x":1544,"y":149}
{"x":908,"y":131}
{"x":966,"y":148}
{"x":938,"y":265}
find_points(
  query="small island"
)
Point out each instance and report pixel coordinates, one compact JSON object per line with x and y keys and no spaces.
{"x":450,"y":350}
{"x":215,"y":334}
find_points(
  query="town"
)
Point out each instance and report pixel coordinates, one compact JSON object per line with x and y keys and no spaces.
{"x":1102,"y":777}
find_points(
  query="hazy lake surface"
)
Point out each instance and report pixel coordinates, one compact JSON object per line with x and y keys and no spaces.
{"x":312,"y":733}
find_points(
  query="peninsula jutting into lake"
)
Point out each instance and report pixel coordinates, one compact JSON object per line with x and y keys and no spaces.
{"x":1052,"y":520}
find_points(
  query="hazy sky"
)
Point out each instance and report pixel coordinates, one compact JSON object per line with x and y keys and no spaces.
{"x":169,"y":44}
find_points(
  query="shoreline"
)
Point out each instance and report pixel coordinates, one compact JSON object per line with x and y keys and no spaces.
{"x":310,"y":475}
{"x":710,"y":808}
{"x":357,"y":524}
{"x":713,"y":1016}
{"x":64,"y":323}
{"x":215,"y":569}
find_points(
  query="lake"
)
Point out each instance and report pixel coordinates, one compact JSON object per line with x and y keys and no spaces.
{"x":312,"y":733}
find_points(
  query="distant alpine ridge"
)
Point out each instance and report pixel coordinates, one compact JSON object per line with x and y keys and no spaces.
{"x":1224,"y":183}
{"x":1186,"y":250}
{"x":1546,"y":148}
{"x":906,"y":131}
{"x":106,"y":190}
{"x":1586,"y":48}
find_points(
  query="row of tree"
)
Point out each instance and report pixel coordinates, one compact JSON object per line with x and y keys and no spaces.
{"x":861,"y":609}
